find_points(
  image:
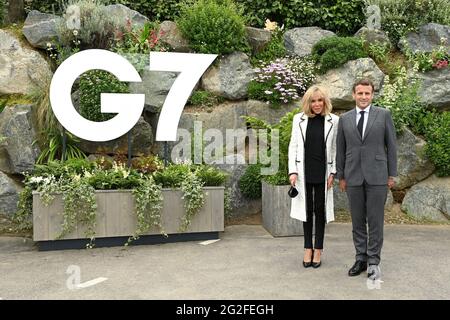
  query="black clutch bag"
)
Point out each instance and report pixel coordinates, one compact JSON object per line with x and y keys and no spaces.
{"x":293,"y":192}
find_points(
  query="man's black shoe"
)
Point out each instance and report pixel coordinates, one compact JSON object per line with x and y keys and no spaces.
{"x":357,"y":268}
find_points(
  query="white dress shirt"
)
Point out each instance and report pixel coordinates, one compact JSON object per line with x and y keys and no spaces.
{"x":366,"y":117}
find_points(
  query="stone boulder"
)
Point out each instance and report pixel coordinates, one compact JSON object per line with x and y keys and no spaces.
{"x":427,"y":38}
{"x":20,"y":68}
{"x":122,"y":14}
{"x":413,"y":165}
{"x":155,"y":85}
{"x":300,"y":41}
{"x":9,"y":194}
{"x":339,"y":82}
{"x":258,"y":38}
{"x":17,"y":125}
{"x":435,"y":89}
{"x":429,"y":199}
{"x":373,"y":36}
{"x":230,"y":77}
{"x":41,"y":28}
{"x":171,"y":35}
{"x":141,"y":142}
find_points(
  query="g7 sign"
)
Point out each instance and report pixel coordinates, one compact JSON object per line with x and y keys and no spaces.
{"x":127,"y":106}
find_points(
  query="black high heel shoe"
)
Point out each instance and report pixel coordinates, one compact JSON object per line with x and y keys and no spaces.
{"x":315,"y":265}
{"x":309,"y":263}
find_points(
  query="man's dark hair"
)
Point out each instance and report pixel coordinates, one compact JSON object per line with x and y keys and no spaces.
{"x":364,"y":82}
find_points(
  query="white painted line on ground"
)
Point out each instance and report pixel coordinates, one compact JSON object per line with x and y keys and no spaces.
{"x":91,"y":283}
{"x":205,"y":243}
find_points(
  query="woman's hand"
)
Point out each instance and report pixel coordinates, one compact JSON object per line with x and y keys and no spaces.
{"x":330,"y":181}
{"x":293,"y":179}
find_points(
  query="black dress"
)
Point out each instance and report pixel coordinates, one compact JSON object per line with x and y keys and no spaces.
{"x":315,"y":150}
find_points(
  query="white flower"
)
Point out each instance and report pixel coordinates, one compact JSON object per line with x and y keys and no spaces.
{"x":75,"y":32}
{"x":49,"y":45}
{"x":268,"y":92}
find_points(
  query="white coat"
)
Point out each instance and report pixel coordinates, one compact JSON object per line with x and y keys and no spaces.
{"x":297,"y":163}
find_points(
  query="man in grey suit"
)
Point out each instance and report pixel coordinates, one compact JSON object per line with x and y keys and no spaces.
{"x":366,"y":163}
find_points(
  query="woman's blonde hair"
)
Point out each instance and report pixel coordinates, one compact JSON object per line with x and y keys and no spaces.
{"x":306,"y":101}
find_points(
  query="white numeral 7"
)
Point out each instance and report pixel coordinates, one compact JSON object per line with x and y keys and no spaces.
{"x":191,"y":68}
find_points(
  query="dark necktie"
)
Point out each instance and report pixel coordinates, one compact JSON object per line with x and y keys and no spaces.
{"x":361,"y":123}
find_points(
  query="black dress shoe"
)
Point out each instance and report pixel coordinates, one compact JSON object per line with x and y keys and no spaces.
{"x":307,"y":264}
{"x":357,"y":268}
{"x":315,"y":265}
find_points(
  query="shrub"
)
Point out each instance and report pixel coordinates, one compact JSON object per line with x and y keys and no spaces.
{"x":281,"y":81}
{"x":210,"y":176}
{"x":153,"y":9}
{"x":250,"y":182}
{"x":2,"y":11}
{"x":92,"y":84}
{"x":333,"y":52}
{"x":275,"y":48}
{"x":438,"y":141}
{"x":402,"y":16}
{"x":342,"y":16}
{"x":213,"y":27}
{"x":438,"y":58}
{"x":205,"y":99}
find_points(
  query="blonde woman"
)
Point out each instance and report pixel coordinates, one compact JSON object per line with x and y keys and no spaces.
{"x":312,"y":166}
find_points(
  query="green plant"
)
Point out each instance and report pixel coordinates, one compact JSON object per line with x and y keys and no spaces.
{"x":250,"y":182}
{"x":2,"y":11}
{"x":333,"y":52}
{"x":147,"y":164}
{"x":341,"y":16}
{"x":205,"y":99}
{"x":92,"y":85}
{"x":275,"y":48}
{"x":438,"y":141}
{"x":228,"y":203}
{"x":213,"y":26}
{"x":402,"y":16}
{"x":52,"y":149}
{"x":3,"y":103}
{"x":154,"y":9}
{"x":438,"y":58}
{"x":194,"y":199}
{"x":47,"y":6}
{"x":172,"y":176}
{"x":378,"y":52}
{"x":210,"y":176}
{"x":24,"y":214}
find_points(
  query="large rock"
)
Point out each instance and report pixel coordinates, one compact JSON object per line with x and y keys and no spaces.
{"x":427,"y":38}
{"x":435,"y":88}
{"x":341,"y":201}
{"x":41,"y":28}
{"x":413,"y":165}
{"x":373,"y":36}
{"x":20,"y":68}
{"x":258,"y":38}
{"x":155,"y":85}
{"x":9,"y":194}
{"x":122,"y":14}
{"x":300,"y":41}
{"x":141,"y":142}
{"x":339,"y":82}
{"x":230,"y":77}
{"x":429,"y":199}
{"x":171,"y":35}
{"x":17,"y":125}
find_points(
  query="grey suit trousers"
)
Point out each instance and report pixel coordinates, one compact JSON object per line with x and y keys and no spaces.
{"x":367,"y":204}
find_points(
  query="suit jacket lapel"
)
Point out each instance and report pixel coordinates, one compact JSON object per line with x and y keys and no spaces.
{"x":372,"y":116}
{"x":303,"y":126}
{"x":327,"y":126}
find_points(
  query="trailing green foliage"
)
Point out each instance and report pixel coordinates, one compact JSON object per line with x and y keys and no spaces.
{"x":92,"y":85}
{"x":333,"y":52}
{"x":213,"y":26}
{"x":194,"y":199}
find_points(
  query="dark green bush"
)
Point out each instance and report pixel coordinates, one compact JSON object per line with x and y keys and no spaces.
{"x":211,"y":176}
{"x":250,"y":182}
{"x":333,"y":52}
{"x":2,"y":11}
{"x":273,"y":50}
{"x":438,"y":141}
{"x":48,"y":6}
{"x":213,"y":26}
{"x":92,"y":84}
{"x":341,"y":16}
{"x":172,"y":176}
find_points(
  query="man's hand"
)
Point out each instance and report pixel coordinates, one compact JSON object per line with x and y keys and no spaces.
{"x":293,"y":179}
{"x":330,"y":181}
{"x":391,"y":182}
{"x":342,"y":185}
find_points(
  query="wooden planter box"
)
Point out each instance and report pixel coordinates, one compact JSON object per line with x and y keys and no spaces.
{"x":276,"y":208}
{"x":116,"y":220}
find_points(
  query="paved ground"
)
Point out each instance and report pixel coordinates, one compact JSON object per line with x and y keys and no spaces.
{"x":247,"y":263}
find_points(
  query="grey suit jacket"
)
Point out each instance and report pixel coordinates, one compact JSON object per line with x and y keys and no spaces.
{"x":372,"y":158}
